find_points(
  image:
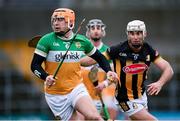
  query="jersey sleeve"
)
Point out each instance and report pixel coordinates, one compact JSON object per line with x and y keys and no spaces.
{"x":42,"y":47}
{"x":113,"y":51}
{"x":105,"y":50}
{"x":89,"y":48}
{"x":154,"y":54}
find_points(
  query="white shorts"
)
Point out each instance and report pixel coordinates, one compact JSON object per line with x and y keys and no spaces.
{"x":133,"y":106}
{"x":63,"y":105}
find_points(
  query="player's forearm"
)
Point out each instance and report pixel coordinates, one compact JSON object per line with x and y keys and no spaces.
{"x":87,"y":61}
{"x":36,"y":67}
{"x":103,"y":63}
{"x":166,"y":75}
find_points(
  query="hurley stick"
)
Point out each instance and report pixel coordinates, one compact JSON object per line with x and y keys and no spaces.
{"x":59,"y":65}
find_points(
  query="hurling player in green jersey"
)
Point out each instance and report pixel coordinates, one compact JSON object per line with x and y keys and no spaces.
{"x":96,"y":32}
{"x":65,"y":94}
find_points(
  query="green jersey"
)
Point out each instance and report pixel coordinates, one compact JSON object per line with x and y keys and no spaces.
{"x":53,"y":49}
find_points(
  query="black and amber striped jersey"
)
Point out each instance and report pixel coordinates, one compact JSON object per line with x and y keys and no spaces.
{"x":131,"y":68}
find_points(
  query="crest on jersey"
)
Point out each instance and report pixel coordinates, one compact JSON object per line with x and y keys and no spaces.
{"x":135,"y":56}
{"x":78,"y":44}
{"x":135,"y":68}
{"x":67,"y":44}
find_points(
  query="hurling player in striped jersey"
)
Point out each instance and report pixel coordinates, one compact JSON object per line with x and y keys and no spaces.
{"x":131,"y":60}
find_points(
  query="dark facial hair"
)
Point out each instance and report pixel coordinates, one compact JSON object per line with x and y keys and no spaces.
{"x":137,"y":46}
{"x":96,"y":39}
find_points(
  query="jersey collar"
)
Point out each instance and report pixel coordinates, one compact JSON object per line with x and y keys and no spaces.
{"x":67,"y":39}
{"x":100,"y":46}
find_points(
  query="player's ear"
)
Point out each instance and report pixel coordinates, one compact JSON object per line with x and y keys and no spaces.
{"x":145,"y":34}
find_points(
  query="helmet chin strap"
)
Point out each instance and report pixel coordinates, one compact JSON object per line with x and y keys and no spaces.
{"x":61,"y":34}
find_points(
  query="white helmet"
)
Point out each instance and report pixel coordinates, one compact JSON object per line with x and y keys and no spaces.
{"x":136,"y":25}
{"x":94,"y":22}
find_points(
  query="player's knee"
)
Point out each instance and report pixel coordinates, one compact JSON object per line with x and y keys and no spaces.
{"x":113,"y":113}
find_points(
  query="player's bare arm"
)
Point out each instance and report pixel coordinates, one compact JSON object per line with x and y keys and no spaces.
{"x":167,"y":73}
{"x":87,"y":61}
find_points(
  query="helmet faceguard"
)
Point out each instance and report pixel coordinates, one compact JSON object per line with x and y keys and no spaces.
{"x":136,"y":25}
{"x":65,"y":13}
{"x":95,"y":22}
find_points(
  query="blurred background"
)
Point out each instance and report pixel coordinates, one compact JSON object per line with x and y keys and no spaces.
{"x":21,"y":94}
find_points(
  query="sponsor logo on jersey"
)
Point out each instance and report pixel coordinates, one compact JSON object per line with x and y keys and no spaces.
{"x":135,"y":68}
{"x":123,"y":54}
{"x":37,"y":73}
{"x":55,"y":44}
{"x":69,"y":56}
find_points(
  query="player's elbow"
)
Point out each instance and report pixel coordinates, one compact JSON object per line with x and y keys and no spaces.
{"x":169,"y":70}
{"x":32,"y":67}
{"x":87,"y":61}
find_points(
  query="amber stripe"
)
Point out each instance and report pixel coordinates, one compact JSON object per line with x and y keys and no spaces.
{"x":118,"y":69}
{"x":139,"y":83}
{"x":129,"y":82}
